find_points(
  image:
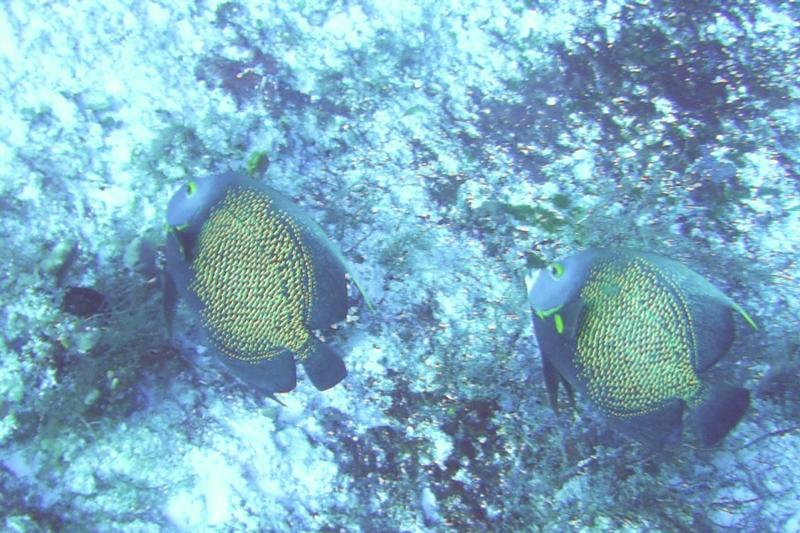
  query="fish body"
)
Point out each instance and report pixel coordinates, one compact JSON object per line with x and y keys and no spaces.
{"x":261,"y":276}
{"x":634,"y":332}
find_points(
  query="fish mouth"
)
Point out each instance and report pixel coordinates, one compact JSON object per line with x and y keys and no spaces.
{"x":530,"y":280}
{"x":535,"y":301}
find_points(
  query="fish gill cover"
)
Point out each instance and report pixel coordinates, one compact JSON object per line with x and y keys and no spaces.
{"x":445,"y":147}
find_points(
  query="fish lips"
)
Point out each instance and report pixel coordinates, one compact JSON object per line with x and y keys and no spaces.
{"x":543,"y":295}
{"x":531,"y":277}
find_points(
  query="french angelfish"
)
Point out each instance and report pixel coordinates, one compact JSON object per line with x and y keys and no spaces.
{"x":261,"y":276}
{"x":634,"y":332}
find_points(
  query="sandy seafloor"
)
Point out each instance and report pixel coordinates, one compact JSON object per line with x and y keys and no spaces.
{"x":444,"y":145}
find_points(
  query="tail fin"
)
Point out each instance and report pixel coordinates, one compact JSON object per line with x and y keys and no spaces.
{"x":323,"y":366}
{"x":719,"y":413}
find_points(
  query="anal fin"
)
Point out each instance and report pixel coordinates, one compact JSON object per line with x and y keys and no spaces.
{"x":659,"y":428}
{"x":278,"y":374}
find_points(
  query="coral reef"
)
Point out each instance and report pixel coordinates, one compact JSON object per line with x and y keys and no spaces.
{"x":445,"y":146}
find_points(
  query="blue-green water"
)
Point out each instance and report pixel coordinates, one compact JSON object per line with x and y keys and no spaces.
{"x":446,"y":148}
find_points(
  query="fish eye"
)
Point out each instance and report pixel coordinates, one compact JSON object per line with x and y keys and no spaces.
{"x":191,"y":188}
{"x":556,"y":270}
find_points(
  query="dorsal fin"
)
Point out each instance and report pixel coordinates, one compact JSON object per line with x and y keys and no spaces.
{"x":714,"y":330}
{"x":314,"y":233}
{"x":330,"y":294}
{"x":711,"y":311}
{"x":744,"y":315}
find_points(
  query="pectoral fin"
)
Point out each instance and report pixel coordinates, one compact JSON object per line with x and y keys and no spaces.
{"x":551,"y":380}
{"x":169,"y":301}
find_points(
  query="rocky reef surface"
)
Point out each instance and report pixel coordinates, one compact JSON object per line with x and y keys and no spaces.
{"x":446,"y":146}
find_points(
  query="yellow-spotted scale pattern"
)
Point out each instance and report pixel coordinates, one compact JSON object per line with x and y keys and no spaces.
{"x":254,"y":276}
{"x":635,"y":344}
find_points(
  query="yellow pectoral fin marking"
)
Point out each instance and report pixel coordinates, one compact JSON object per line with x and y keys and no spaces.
{"x":548,"y":312}
{"x":559,"y":323}
{"x":557,"y":320}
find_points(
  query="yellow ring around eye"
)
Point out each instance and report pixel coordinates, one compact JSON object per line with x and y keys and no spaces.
{"x":557,"y":270}
{"x":191,"y":188}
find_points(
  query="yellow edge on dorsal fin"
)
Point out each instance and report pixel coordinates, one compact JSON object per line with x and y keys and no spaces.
{"x":354,"y":279}
{"x":745,"y":315}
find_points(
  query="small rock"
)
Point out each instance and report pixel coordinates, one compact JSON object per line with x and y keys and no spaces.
{"x":140,"y":257}
{"x":91,"y":397}
{"x":57,"y":262}
{"x":86,"y":341}
{"x":84,"y":302}
{"x":430,"y":507}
